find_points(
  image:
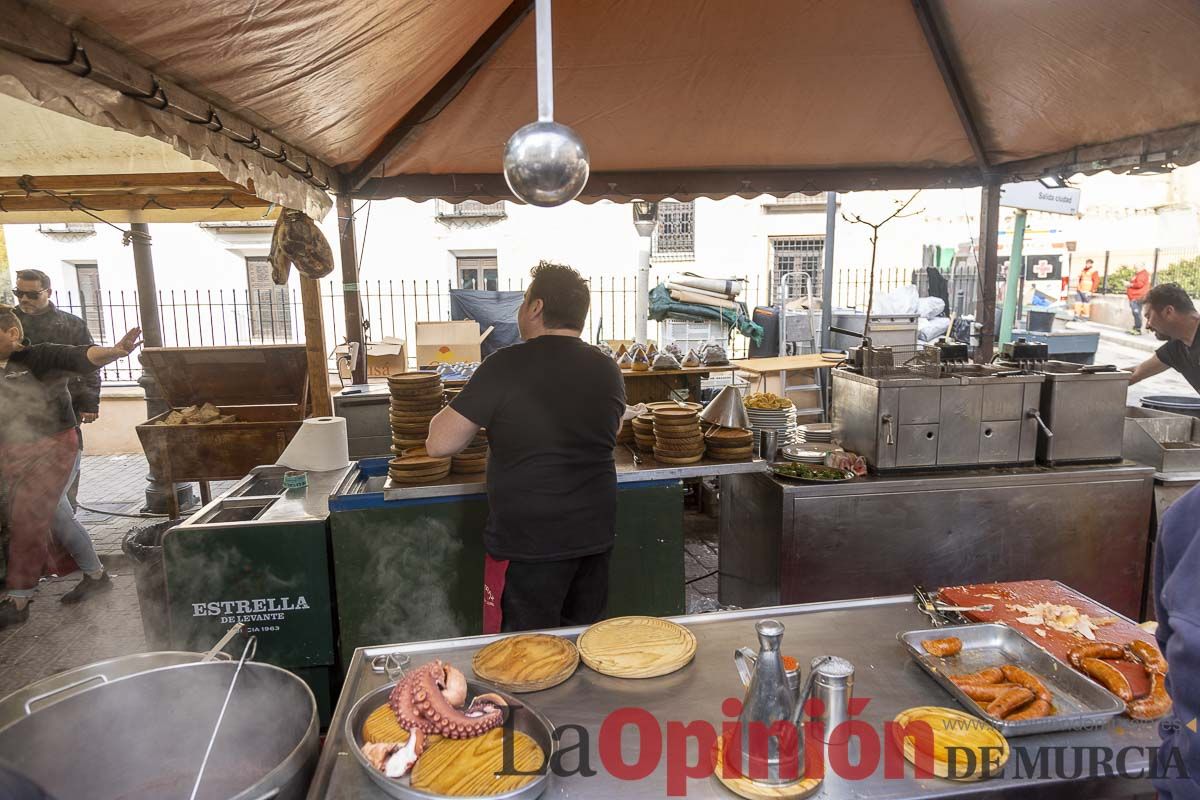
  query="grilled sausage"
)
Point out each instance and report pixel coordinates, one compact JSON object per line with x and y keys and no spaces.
{"x":985,"y":692}
{"x":1038,"y":708}
{"x":989,"y":675}
{"x":1108,"y":676}
{"x":950,"y":646}
{"x":1009,"y":702}
{"x":1148,"y":654}
{"x":1014,"y":674}
{"x":1095,"y":650}
{"x":1153,"y":705}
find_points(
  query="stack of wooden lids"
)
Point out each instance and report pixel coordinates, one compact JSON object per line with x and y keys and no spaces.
{"x":643,"y":432}
{"x":625,"y":434}
{"x":677,"y":436}
{"x":416,"y":398}
{"x":472,"y":460}
{"x":729,"y":444}
{"x":418,"y":469}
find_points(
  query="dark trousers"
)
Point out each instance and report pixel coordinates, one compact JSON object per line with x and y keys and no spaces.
{"x":555,"y":594}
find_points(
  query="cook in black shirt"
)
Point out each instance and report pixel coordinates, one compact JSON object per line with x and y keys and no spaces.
{"x":552,"y":406}
{"x":37,"y":446}
{"x":1173,"y":318}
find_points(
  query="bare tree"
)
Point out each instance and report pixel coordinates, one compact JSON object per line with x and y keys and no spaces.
{"x":875,"y":226}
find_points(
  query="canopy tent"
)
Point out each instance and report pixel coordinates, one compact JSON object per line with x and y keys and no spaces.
{"x":674,"y":97}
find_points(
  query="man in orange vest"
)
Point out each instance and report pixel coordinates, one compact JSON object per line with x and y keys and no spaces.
{"x":1085,"y":287}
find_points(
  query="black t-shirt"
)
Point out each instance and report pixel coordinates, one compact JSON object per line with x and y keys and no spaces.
{"x":552,"y":407}
{"x":1183,"y":359}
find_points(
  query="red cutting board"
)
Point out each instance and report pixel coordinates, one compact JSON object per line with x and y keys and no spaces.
{"x":1029,"y":593}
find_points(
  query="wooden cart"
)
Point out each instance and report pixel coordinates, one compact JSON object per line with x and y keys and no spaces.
{"x":266,"y":387}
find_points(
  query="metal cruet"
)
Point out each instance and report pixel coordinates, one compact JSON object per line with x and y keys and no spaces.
{"x":769,"y":699}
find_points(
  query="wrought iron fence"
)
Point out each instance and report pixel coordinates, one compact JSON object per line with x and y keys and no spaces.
{"x":219,"y":317}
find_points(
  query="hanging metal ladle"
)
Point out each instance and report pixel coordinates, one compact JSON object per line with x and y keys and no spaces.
{"x":545,"y":162}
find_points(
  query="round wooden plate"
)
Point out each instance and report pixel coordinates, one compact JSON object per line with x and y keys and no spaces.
{"x":679,"y":433}
{"x":676,"y":460}
{"x":405,"y":474}
{"x":430,"y":407}
{"x":686,"y":424}
{"x":752,"y":790}
{"x":528,"y":662}
{"x":409,"y":478}
{"x":668,"y":413}
{"x":419,"y":462}
{"x":951,"y":728}
{"x":415,"y":378}
{"x":636,"y":647}
{"x":679,"y":443}
{"x":473,"y":767}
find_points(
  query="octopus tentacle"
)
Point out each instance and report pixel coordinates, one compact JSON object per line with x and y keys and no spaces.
{"x":430,"y":698}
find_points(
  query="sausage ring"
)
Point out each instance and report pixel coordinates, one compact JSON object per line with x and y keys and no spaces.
{"x":950,"y":646}
{"x":1153,"y":705}
{"x":984,"y":676}
{"x":1108,"y":676}
{"x":1009,"y":702}
{"x":1014,"y":674}
{"x":1149,"y":655}
{"x":1095,"y":650}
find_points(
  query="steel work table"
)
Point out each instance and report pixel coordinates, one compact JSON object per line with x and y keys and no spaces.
{"x":1087,"y":526}
{"x":863,"y":631}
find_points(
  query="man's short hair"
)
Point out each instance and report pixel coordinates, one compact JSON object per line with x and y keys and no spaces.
{"x":564,"y":294}
{"x":9,"y":319}
{"x":34,"y":275}
{"x":1170,"y":294}
{"x":1089,"y":261}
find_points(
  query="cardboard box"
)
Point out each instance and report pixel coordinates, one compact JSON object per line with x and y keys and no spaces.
{"x":449,"y":342}
{"x":383,"y":358}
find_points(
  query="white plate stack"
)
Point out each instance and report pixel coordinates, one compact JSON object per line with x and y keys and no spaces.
{"x":782,"y":421}
{"x":807,"y":453}
{"x":815,"y":432}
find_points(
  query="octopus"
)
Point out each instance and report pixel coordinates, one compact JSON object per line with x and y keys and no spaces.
{"x":433,"y":699}
{"x":395,"y":759}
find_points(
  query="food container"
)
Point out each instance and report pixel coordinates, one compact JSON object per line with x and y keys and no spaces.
{"x":1080,"y":702}
{"x":525,"y":720}
{"x":265,"y":387}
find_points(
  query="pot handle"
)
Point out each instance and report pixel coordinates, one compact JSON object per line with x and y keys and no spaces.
{"x":46,"y":695}
{"x":745,"y":660}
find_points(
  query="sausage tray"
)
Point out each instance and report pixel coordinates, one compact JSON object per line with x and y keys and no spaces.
{"x":1080,"y":703}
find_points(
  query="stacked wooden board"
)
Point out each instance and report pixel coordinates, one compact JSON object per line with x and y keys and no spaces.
{"x":729,"y":444}
{"x":472,"y":460}
{"x":416,"y":398}
{"x":643,"y":432}
{"x":677,"y":436}
{"x":417,"y":469}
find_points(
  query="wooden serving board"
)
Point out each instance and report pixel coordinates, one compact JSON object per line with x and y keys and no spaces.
{"x":527,"y":662}
{"x":951,"y":728}
{"x":636,"y":647}
{"x":1057,"y":643}
{"x":469,"y":767}
{"x":752,"y":790}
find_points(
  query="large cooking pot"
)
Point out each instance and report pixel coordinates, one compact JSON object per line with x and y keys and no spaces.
{"x":60,"y":685}
{"x":144,"y":736}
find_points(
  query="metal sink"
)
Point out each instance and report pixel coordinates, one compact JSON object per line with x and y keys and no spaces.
{"x":1167,"y":442}
{"x":235,"y":509}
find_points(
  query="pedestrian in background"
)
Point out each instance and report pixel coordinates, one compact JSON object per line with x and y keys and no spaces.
{"x":1136,"y":291}
{"x":1085,"y":286}
{"x":44,"y":322}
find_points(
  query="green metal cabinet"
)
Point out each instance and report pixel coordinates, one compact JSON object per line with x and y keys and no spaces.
{"x":412,"y":569}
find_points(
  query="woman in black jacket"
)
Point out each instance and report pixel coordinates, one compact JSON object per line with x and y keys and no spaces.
{"x":37,"y":446}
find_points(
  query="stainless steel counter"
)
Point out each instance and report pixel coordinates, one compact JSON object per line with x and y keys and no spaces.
{"x":260,"y":499}
{"x":786,"y":542}
{"x":864,"y":631}
{"x":627,"y":472}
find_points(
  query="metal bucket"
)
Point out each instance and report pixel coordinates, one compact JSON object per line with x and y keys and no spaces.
{"x":145,"y":736}
{"x":1175,"y":403}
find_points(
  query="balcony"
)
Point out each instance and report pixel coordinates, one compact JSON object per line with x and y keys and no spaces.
{"x":470,"y":210}
{"x":796,"y":203}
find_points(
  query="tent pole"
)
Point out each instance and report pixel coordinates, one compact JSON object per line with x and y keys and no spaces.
{"x":314,"y":343}
{"x":827,"y":279}
{"x":989,"y":235}
{"x":158,"y":493}
{"x":1012,"y":291}
{"x":349,"y":253}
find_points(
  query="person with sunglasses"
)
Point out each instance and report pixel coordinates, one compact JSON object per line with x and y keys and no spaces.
{"x":43,"y":321}
{"x":38,"y":444}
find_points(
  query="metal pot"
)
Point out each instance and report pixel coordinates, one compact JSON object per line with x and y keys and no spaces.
{"x":60,"y":685}
{"x":144,"y":735}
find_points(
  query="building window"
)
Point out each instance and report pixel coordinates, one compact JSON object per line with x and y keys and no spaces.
{"x":91,"y":307}
{"x":469,"y":209}
{"x":798,"y":254}
{"x":67,"y":230}
{"x":796,"y":202}
{"x":478,"y":272}
{"x":675,"y":232}
{"x":270,"y":310}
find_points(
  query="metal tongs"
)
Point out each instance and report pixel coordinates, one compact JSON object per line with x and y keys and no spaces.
{"x":247,"y":654}
{"x":941,"y":613}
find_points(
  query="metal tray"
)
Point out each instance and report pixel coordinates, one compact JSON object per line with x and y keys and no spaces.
{"x":1080,"y":702}
{"x":527,"y":721}
{"x":847,"y":475}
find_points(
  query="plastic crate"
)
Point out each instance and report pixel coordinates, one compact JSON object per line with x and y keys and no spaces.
{"x":691,"y":335}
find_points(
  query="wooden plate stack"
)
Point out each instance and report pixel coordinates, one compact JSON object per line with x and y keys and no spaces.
{"x":729,"y":444}
{"x":625,"y":434}
{"x":643,"y":432}
{"x":473,"y":458}
{"x":677,"y":436}
{"x":418,"y":469}
{"x":416,"y":398}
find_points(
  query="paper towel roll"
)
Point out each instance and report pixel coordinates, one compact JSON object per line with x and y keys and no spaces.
{"x":320,"y":445}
